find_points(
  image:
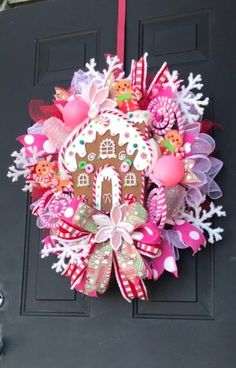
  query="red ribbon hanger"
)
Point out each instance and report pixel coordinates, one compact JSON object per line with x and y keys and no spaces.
{"x":120,"y":34}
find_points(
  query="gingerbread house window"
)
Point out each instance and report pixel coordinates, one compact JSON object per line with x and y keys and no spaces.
{"x":130,"y":180}
{"x":83,"y":180}
{"x":107,"y":149}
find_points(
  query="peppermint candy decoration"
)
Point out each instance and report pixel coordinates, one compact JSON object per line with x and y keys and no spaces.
{"x":165,"y":113}
{"x":51,"y":208}
{"x":130,"y":198}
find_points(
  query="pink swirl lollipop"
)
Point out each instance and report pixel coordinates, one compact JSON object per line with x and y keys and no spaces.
{"x":165,"y":112}
{"x":51,"y":208}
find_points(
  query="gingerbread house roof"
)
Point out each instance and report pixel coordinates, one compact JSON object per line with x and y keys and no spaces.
{"x":118,"y":124}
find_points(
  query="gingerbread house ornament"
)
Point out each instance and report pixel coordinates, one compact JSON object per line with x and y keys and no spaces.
{"x":108,"y":157}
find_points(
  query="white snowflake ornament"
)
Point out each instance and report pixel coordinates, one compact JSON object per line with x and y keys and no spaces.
{"x":22,"y":161}
{"x":199,"y":217}
{"x":191,"y":104}
{"x":66,"y":252}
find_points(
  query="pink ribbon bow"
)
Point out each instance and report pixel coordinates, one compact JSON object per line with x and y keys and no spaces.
{"x":119,"y":240}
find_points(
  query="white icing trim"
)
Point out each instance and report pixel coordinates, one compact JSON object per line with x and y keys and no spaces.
{"x":108,"y":173}
{"x":119,"y":125}
{"x":139,"y":116}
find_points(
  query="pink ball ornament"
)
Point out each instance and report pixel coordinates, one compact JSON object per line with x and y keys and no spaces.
{"x":169,"y":170}
{"x":75,"y":112}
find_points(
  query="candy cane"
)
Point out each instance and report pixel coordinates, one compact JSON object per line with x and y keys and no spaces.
{"x":61,"y":156}
{"x":165,"y":113}
{"x":110,"y":172}
{"x":156,"y":203}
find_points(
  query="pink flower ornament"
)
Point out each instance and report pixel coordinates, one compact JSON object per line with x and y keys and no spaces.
{"x":98,"y":99}
{"x":113,"y":228}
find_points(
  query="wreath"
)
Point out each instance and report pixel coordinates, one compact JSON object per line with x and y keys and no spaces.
{"x":121,"y":175}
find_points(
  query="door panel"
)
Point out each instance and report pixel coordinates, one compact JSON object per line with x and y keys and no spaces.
{"x":192,"y":36}
{"x":188,"y":321}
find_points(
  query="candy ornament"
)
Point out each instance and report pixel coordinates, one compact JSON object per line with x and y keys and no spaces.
{"x":169,"y":170}
{"x":126,"y":97}
{"x":172,"y":141}
{"x":56,"y":131}
{"x":165,"y":113}
{"x":89,"y":168}
{"x":74,"y":112}
{"x":125,"y":167}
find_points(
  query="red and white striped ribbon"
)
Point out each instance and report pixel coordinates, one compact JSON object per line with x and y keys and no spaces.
{"x":128,"y":289}
{"x":139,"y":73}
{"x":148,"y":250}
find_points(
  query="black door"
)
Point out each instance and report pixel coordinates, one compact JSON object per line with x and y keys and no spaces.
{"x":188,"y":322}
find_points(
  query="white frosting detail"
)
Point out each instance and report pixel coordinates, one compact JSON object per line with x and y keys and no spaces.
{"x":117,"y":126}
{"x":122,"y":155}
{"x":108,"y":173}
{"x":139,"y":116}
{"x":91,"y":156}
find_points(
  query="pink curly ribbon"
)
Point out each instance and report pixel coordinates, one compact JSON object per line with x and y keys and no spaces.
{"x":51,"y":208}
{"x":165,"y":113}
{"x":156,"y":203}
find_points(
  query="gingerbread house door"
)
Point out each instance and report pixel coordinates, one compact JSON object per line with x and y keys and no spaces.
{"x":189,"y":321}
{"x":106,"y":188}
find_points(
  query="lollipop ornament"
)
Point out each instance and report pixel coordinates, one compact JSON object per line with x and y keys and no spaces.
{"x":166,"y":114}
